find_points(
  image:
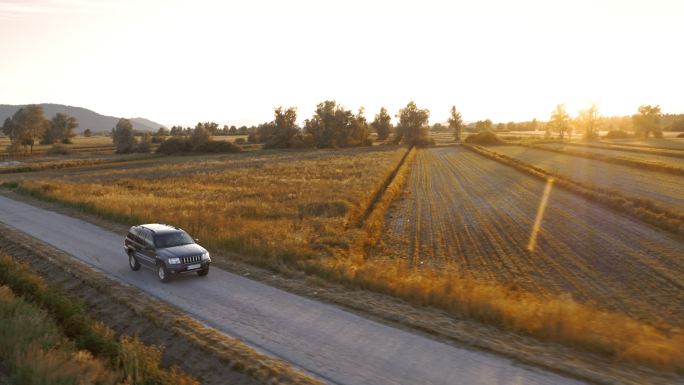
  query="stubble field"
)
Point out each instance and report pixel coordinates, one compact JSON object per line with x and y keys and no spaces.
{"x":664,"y":189}
{"x":473,"y":215}
{"x":657,"y":157}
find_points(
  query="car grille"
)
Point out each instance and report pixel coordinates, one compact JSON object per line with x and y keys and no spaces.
{"x":192,"y":259}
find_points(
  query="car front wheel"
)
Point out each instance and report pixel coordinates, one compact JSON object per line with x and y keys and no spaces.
{"x":133,"y":262}
{"x":203,"y":272}
{"x":162,"y":273}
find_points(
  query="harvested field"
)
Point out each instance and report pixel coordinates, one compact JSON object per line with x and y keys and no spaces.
{"x":670,"y":143}
{"x":618,"y":152}
{"x":666,"y":190}
{"x":468,"y":214}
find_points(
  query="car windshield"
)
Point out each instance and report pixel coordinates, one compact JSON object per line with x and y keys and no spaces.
{"x":172,"y":239}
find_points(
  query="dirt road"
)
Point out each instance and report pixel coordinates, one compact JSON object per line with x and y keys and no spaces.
{"x":332,"y":344}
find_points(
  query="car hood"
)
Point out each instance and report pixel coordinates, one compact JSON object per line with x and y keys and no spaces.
{"x":181,"y":251}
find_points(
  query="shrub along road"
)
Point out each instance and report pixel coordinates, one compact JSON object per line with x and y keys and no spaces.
{"x":336,"y":346}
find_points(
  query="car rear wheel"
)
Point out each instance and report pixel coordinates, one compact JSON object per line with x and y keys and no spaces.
{"x":133,"y":262}
{"x":203,"y":272}
{"x":162,"y":273}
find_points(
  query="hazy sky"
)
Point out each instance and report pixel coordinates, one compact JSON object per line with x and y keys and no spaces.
{"x":179,"y":62}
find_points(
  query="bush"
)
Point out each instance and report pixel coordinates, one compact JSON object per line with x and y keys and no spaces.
{"x":59,"y":149}
{"x":240,"y":141}
{"x":484,"y":138}
{"x":681,"y":135}
{"x":157,"y":139}
{"x":218,"y":146}
{"x":177,"y":145}
{"x":174,"y":145}
{"x":616,"y":134}
{"x":302,"y":141}
{"x":143,"y":147}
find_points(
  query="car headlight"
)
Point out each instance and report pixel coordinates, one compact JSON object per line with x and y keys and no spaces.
{"x":174,"y":261}
{"x":205,"y":256}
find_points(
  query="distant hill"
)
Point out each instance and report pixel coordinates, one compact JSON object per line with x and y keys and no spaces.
{"x":86,"y":118}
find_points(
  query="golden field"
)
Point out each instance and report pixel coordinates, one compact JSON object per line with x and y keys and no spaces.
{"x":323,"y":211}
{"x":270,"y":206}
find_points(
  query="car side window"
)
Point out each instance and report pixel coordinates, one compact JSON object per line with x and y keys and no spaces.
{"x":135,"y":232}
{"x":148,"y":241}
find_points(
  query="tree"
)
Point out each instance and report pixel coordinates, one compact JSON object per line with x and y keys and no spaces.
{"x":60,"y":128}
{"x":560,"y":122}
{"x":647,"y":121}
{"x":123,"y":138}
{"x":263,"y":132}
{"x":25,"y":126}
{"x":483,"y":125}
{"x":162,"y":131}
{"x":413,"y":125}
{"x":201,"y":135}
{"x":334,"y":126}
{"x":8,"y":128}
{"x":87,"y":133}
{"x":359,"y":130}
{"x":677,"y":125}
{"x":589,"y":119}
{"x":455,"y":123}
{"x":177,"y":131}
{"x":382,"y":124}
{"x":284,"y":128}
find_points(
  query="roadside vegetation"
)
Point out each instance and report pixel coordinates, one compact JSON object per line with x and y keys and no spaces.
{"x":46,"y":337}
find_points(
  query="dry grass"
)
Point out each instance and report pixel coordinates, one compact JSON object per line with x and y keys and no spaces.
{"x":374,"y":222}
{"x":51,"y":339}
{"x":277,"y":207}
{"x":557,"y":319}
{"x":307,"y":209}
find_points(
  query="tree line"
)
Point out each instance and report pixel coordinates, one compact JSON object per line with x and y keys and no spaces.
{"x":29,"y":124}
{"x":334,"y":126}
{"x":648,"y":121}
{"x":645,"y":123}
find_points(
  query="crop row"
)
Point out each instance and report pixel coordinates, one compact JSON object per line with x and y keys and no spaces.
{"x":638,"y":208}
{"x":458,"y":239}
{"x":621,"y":160}
{"x":662,"y":151}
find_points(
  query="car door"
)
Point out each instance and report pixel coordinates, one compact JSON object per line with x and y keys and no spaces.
{"x":146,"y":253}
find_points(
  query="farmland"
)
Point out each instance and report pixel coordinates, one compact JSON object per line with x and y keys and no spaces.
{"x":466,"y":214}
{"x":669,"y":142}
{"x":312,"y":210}
{"x":270,"y":205}
{"x":660,"y":188}
{"x":618,"y":152}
